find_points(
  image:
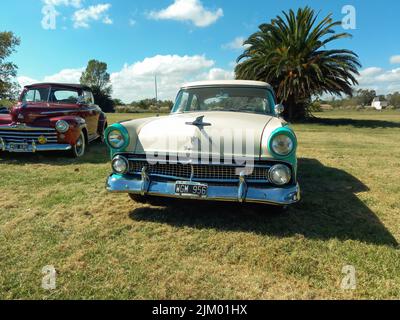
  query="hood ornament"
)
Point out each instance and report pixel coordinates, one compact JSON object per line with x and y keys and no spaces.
{"x":199,"y":123}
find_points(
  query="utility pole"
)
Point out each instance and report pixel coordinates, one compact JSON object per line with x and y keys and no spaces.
{"x":155,"y":83}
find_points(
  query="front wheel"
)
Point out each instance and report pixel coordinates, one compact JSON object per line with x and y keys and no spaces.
{"x":78,"y":150}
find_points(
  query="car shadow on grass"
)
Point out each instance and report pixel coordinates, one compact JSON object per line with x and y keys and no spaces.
{"x":357,"y":123}
{"x":96,"y":153}
{"x":329,"y":209}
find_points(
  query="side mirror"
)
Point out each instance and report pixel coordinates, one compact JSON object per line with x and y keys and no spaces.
{"x":279,"y":109}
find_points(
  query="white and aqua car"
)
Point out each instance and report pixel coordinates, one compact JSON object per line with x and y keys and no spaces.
{"x":223,"y":141}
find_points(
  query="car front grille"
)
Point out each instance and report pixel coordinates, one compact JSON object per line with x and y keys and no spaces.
{"x":200,"y":172}
{"x":28,"y":135}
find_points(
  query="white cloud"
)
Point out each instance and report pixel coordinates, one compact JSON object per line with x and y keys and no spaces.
{"x":217,"y":74}
{"x":64,"y":76}
{"x":136,"y":81}
{"x":373,"y":71}
{"x":107,"y":20}
{"x":395,"y":59}
{"x":25,"y":81}
{"x":383,"y":81}
{"x":67,"y":3}
{"x":50,"y":13}
{"x":188,"y":10}
{"x":83,"y":17}
{"x":132,"y":22}
{"x":236,"y":44}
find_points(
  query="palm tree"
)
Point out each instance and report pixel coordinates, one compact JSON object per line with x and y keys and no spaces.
{"x":290,"y":53}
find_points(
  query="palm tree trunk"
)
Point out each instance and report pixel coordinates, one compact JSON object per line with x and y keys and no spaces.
{"x":294,"y":110}
{"x":290,"y":109}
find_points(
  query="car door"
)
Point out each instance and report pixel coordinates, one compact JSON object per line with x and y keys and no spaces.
{"x":91,"y":114}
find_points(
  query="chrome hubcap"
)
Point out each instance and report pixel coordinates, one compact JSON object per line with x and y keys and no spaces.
{"x":80,"y":145}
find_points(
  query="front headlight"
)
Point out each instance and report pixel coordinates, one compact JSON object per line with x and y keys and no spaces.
{"x":282,"y":145}
{"x":120,"y":165}
{"x":280,"y":175}
{"x":62,"y":126}
{"x":116,"y":139}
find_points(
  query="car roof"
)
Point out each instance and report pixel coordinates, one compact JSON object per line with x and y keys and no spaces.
{"x":63,"y":85}
{"x":227,"y":83}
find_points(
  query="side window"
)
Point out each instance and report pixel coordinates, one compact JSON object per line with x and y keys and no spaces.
{"x":88,"y":96}
{"x":65,"y":96}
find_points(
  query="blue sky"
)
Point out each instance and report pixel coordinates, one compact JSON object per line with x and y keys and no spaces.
{"x":179,"y":40}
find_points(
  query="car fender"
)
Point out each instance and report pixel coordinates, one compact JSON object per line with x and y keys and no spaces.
{"x":77,"y":125}
{"x":102,"y":125}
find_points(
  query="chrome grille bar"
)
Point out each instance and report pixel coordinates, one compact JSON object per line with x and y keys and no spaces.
{"x":10,"y":134}
{"x":21,"y":128}
{"x":30,"y":133}
{"x":199,"y":172}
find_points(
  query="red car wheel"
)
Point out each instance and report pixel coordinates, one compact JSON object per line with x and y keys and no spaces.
{"x":78,"y":150}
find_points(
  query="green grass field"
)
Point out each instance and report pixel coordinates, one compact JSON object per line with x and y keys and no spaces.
{"x":55,"y":211}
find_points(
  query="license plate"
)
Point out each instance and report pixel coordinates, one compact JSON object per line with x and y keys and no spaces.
{"x":18,"y":147}
{"x":191,"y":189}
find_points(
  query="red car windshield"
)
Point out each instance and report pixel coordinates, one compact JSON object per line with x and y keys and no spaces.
{"x":36,"y":95}
{"x":56,"y":95}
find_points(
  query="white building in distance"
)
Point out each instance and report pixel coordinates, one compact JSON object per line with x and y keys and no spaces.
{"x":379,"y":103}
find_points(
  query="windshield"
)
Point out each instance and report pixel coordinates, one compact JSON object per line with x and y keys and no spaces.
{"x":251,"y":100}
{"x":57,"y":95}
{"x":36,"y":95}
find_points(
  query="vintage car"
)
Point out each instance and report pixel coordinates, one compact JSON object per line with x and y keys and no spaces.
{"x":52,"y":117}
{"x":223,"y":141}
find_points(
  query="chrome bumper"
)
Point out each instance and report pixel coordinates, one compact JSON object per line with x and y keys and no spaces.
{"x":239,"y":193}
{"x":33,"y":147}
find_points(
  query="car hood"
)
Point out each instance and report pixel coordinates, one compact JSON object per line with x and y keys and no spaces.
{"x":216,"y":133}
{"x":40,"y":112}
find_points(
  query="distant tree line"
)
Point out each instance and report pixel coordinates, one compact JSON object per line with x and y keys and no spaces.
{"x":146,"y":105}
{"x":363,"y":98}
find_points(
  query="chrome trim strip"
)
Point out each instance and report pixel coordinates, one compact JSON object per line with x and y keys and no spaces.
{"x":272,"y":195}
{"x":8,"y":139}
{"x":133,"y":157}
{"x":211,"y":163}
{"x":23,"y":128}
{"x":28,"y":133}
{"x":58,"y":112}
{"x":19,"y":137}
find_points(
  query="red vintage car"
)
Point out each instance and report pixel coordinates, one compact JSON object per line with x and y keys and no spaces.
{"x":52,"y":117}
